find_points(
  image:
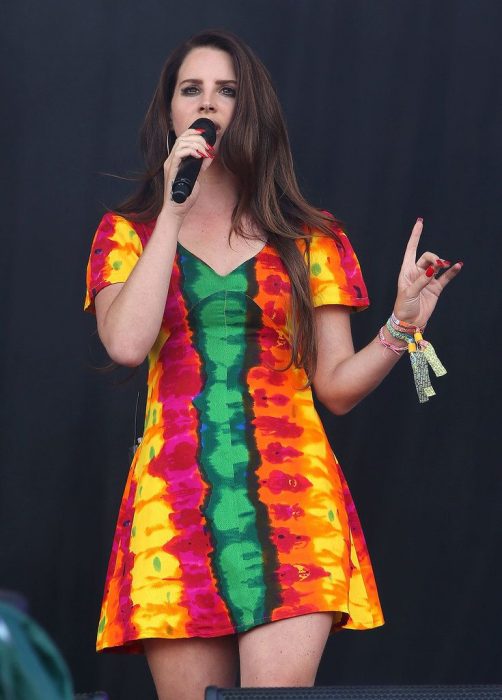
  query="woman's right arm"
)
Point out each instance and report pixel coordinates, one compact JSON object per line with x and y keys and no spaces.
{"x":129,"y":314}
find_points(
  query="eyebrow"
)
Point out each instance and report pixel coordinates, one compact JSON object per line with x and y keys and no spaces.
{"x":199,"y":82}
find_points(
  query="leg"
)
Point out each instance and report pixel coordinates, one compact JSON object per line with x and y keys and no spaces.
{"x":182,"y":668}
{"x":284,"y":653}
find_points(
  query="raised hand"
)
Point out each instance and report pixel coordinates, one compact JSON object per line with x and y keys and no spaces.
{"x":418,"y":289}
{"x":189,"y":143}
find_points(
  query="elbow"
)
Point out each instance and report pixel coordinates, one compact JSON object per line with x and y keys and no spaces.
{"x":124,"y":345}
{"x":125,"y":358}
{"x":339,"y":408}
{"x":338,"y":405}
{"x":124,"y":353}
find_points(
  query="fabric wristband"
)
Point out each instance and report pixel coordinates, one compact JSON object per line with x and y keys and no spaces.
{"x":422,"y":354}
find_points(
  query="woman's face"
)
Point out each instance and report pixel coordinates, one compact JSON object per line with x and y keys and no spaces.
{"x":206,"y":87}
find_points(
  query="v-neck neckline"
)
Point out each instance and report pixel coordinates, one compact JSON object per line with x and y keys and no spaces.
{"x":244,"y":262}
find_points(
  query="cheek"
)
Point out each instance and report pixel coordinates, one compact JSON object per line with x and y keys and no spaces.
{"x":178,"y":117}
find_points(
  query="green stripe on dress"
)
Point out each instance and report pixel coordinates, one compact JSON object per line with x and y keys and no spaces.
{"x":220,"y":319}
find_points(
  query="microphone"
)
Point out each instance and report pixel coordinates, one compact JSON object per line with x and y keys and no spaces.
{"x":190,"y":167}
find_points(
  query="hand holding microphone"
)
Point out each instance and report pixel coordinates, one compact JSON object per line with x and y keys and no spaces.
{"x":182,"y":167}
{"x":190,"y":167}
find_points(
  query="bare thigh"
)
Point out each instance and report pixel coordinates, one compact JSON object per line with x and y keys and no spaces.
{"x":183,"y":668}
{"x":284,"y":653}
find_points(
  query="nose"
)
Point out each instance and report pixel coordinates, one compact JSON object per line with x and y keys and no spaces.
{"x":206,"y":107}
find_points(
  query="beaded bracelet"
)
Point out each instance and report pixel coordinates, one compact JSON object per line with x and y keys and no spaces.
{"x":421,"y":354}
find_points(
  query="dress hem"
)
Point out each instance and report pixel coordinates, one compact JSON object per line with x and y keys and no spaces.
{"x":133,"y":645}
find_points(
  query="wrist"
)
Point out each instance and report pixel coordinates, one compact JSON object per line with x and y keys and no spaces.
{"x":399,"y":342}
{"x":404,"y":326}
{"x":396,"y":346}
{"x":170,"y":219}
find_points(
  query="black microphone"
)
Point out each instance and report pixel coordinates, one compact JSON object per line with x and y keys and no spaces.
{"x":190,"y":167}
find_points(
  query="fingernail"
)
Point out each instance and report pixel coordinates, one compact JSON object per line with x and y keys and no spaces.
{"x":420,"y":219}
{"x":460,"y":263}
{"x":430,"y":271}
{"x":443,"y":263}
{"x":203,"y":155}
{"x":210,"y":147}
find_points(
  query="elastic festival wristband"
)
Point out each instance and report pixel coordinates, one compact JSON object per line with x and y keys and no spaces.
{"x":422,"y":354}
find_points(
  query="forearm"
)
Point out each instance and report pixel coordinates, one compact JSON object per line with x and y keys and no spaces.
{"x":133,"y":320}
{"x":358,"y":375}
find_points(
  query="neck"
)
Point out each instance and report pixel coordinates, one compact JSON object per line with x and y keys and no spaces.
{"x":218,"y":188}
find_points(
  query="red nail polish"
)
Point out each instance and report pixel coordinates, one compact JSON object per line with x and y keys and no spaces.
{"x":430,"y":271}
{"x":203,"y":155}
{"x":446,"y":262}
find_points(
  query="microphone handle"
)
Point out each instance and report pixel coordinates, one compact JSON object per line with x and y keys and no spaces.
{"x":185,"y":179}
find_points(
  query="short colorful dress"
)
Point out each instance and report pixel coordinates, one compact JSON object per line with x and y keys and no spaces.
{"x":235,"y":511}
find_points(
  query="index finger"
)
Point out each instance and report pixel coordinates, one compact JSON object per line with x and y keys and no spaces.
{"x":410,"y":254}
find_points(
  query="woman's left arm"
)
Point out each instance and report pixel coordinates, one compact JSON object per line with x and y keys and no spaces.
{"x":344,"y":377}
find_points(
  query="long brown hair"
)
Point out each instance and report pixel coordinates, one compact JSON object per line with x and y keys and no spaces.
{"x":255,"y":148}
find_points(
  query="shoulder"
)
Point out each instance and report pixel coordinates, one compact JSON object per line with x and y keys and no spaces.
{"x":319,"y":243}
{"x":334,"y":269}
{"x":121,"y":230}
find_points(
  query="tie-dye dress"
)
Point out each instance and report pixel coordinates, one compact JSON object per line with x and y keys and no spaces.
{"x":235,"y":511}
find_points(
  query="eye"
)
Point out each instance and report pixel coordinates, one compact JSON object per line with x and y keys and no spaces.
{"x":190,"y":90}
{"x":226,"y":90}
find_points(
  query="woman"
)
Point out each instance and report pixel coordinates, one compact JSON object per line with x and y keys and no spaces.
{"x":237,"y":545}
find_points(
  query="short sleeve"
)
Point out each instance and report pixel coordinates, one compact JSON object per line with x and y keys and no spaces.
{"x":335,"y":273}
{"x":115,"y":250}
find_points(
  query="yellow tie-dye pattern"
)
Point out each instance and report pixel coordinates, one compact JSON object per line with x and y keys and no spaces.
{"x":119,"y":262}
{"x":156,"y":574}
{"x":330,"y":551}
{"x":328,"y":277}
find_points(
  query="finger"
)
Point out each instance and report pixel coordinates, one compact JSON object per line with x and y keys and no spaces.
{"x":447,"y":276}
{"x":194,"y":140}
{"x":429,"y":258}
{"x":410,"y":253}
{"x":197,"y":132}
{"x":172,"y":164}
{"x":424,"y":279}
{"x":188,"y":149}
